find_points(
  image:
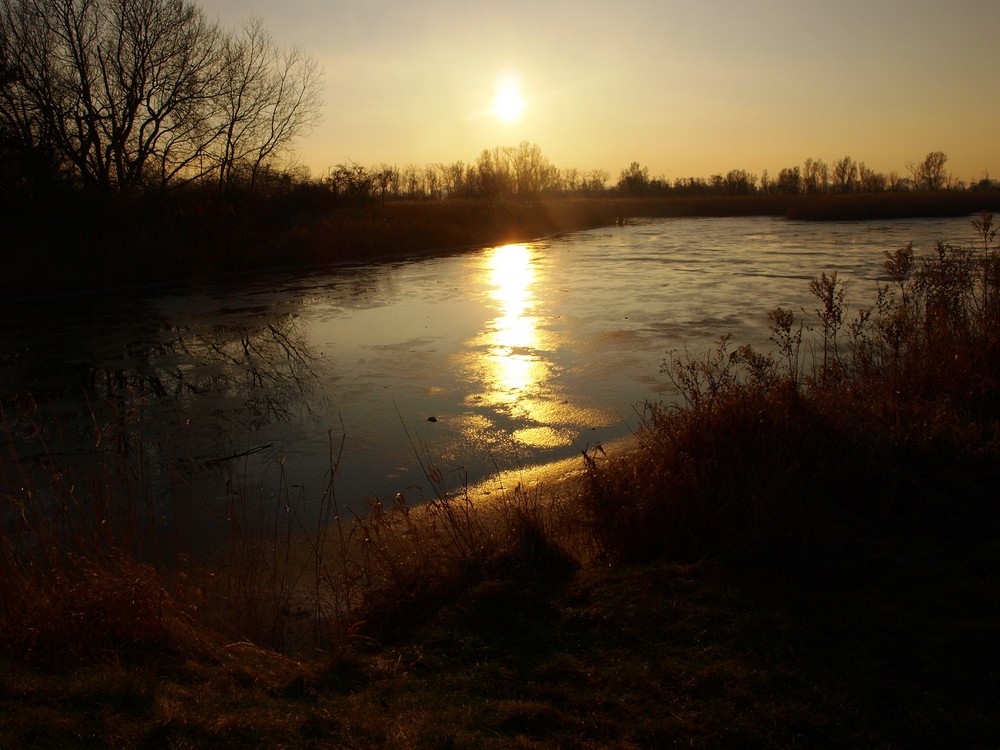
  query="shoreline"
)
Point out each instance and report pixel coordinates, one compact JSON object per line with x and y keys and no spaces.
{"x":190,"y":238}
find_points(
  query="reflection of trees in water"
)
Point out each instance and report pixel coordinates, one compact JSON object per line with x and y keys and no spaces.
{"x":249,"y":376}
{"x":150,"y":435}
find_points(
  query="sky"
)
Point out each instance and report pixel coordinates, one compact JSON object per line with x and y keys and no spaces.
{"x":688,"y":88}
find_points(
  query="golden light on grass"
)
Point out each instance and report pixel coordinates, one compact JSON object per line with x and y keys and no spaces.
{"x":508,"y":104}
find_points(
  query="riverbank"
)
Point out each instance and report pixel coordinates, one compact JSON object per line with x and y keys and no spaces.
{"x":88,"y":245}
{"x":806,"y":554}
{"x":894,"y":649}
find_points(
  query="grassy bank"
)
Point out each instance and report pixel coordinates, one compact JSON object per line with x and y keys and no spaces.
{"x":651,"y":655}
{"x":804,"y":554}
{"x":88,"y":244}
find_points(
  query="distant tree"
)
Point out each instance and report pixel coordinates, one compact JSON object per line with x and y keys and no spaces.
{"x":984,"y":183}
{"x":815,"y":176}
{"x":385,"y":180}
{"x":789,"y":181}
{"x":845,"y":174}
{"x":454,"y":178}
{"x":930,"y":173}
{"x":533,"y":173}
{"x":595,"y":181}
{"x":432,"y":182}
{"x":659,"y":185}
{"x":570,"y":180}
{"x":740,"y":182}
{"x":411,"y":182}
{"x":634,"y":180}
{"x":871,"y":181}
{"x":351,"y":182}
{"x":494,"y":173}
{"x":896,"y":183}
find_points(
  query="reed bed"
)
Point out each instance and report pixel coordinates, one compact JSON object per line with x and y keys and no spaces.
{"x":193,"y":235}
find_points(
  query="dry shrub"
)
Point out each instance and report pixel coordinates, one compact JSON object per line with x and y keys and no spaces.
{"x":90,"y":608}
{"x":74,"y":587}
{"x":749,"y":480}
{"x":895,"y":423}
{"x":398,"y":565}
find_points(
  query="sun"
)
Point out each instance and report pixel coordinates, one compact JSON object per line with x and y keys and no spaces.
{"x":508,"y":104}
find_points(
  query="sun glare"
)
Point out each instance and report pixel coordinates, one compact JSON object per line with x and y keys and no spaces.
{"x":508,"y":102}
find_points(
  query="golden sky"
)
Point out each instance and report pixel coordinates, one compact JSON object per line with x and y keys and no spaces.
{"x":685,"y":87}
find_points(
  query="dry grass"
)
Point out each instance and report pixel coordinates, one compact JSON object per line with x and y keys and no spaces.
{"x":87,"y":577}
{"x":894,"y":423}
{"x":849,"y":474}
{"x":750,"y":469}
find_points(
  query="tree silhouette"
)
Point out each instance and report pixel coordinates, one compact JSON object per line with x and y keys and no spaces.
{"x":930,"y":173}
{"x":845,"y":174}
{"x":634,"y":180}
{"x":129,"y":94}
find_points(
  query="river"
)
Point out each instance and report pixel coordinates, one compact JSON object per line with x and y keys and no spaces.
{"x":502,"y":358}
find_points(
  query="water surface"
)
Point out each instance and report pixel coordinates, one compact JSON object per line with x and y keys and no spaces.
{"x":500,"y":358}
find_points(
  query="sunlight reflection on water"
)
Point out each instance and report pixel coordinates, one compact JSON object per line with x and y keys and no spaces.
{"x":501,"y":358}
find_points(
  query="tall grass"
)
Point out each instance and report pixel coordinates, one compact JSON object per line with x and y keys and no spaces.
{"x":74,"y":579}
{"x":887,"y":419}
{"x":90,"y":572}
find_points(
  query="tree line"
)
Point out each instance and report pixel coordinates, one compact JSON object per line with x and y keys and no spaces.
{"x":814,"y":176}
{"x":524,"y":172}
{"x":127,"y":96}
{"x":499,"y":173}
{"x":118,"y":96}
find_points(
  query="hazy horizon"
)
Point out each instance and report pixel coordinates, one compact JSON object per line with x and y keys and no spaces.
{"x":686,"y":89}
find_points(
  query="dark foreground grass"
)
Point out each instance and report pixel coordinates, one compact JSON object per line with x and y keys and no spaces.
{"x":804,"y":554}
{"x":898,"y":653}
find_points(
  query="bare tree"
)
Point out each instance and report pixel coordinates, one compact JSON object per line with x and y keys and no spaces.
{"x":930,"y":174}
{"x":269,"y":97}
{"x":595,"y":181}
{"x":870,"y":180}
{"x":133,"y":93}
{"x":27,"y":156}
{"x":117,"y":86}
{"x":494,"y":173}
{"x":385,"y":180}
{"x":634,"y":180}
{"x":845,"y":174}
{"x":740,"y":182}
{"x":815,"y":176}
{"x":533,"y":173}
{"x":352,"y":182}
{"x":789,"y":181}
{"x":454,"y":177}
{"x":412,"y":179}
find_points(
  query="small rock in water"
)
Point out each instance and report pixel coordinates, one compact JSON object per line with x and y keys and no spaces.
{"x":432,"y":419}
